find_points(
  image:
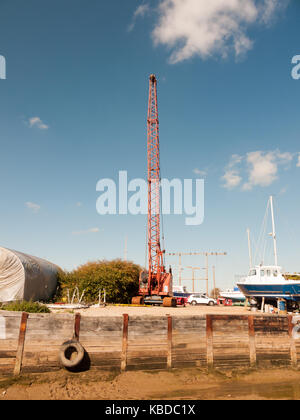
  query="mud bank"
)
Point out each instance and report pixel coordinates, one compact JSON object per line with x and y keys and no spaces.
{"x":177,"y":384}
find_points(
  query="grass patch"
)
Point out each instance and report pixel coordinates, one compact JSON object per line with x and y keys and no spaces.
{"x":30,"y":307}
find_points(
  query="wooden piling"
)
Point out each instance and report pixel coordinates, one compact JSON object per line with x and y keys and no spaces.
{"x":252,"y":344}
{"x":293,"y":350}
{"x":20,"y":349}
{"x":209,"y":341}
{"x":170,"y":333}
{"x":124,"y":342}
{"x":77,"y":326}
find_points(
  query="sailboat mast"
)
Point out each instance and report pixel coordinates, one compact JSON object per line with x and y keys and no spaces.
{"x":273,"y":231}
{"x":249,"y":248}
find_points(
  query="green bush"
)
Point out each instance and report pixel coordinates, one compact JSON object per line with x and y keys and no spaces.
{"x":120,"y":279}
{"x":30,"y":307}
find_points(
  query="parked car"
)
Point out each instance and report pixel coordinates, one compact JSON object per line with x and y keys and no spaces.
{"x":201,"y":299}
{"x":224,"y":301}
{"x":180,"y":301}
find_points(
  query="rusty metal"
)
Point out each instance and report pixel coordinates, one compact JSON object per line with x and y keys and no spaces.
{"x":137,"y":300}
{"x":169,"y":302}
{"x":156,"y":281}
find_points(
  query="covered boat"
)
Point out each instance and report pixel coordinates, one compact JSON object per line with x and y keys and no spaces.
{"x":24,"y":277}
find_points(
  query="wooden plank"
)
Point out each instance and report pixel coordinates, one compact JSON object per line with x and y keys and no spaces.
{"x":147,"y":366}
{"x":189,"y":323}
{"x":20,"y":349}
{"x":144,"y":353}
{"x":229,"y":317}
{"x":9,"y":345}
{"x":270,"y":326}
{"x":124,"y":342}
{"x":9,"y":361}
{"x":102,"y":344}
{"x":189,"y":356}
{"x":11,"y":329}
{"x":100,"y":325}
{"x":149,"y":349}
{"x":183,"y":364}
{"x":8,"y":355}
{"x":145,"y":326}
{"x":187,"y":347}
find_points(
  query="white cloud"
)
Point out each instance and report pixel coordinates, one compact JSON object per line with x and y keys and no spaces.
{"x":283,"y":190}
{"x":207,"y":28}
{"x":33,"y":206}
{"x":199,"y":172}
{"x":298,"y":162}
{"x":263,"y":167}
{"x":235,"y":160}
{"x":141,"y":11}
{"x":269,"y":8}
{"x":37,"y":122}
{"x":83,"y":232}
{"x":260,"y":169}
{"x":231,"y":179}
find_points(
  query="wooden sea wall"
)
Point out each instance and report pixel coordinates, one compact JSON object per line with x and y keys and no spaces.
{"x":31,"y":342}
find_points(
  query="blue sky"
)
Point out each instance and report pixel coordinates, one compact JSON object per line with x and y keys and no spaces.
{"x":73,"y":110}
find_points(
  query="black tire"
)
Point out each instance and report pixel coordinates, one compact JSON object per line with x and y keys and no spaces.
{"x":211,"y":303}
{"x":67,"y":355}
{"x":194,"y":303}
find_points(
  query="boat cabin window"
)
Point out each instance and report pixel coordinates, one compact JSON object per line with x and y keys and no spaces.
{"x":262,"y":273}
{"x":275,"y":273}
{"x":252,"y":273}
{"x":268,"y":273}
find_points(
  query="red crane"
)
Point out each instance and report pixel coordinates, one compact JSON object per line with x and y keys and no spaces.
{"x":155,"y":285}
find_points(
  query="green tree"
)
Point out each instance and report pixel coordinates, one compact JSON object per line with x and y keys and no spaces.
{"x":120,"y":279}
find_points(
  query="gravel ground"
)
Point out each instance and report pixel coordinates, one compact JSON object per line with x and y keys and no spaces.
{"x":112,"y":310}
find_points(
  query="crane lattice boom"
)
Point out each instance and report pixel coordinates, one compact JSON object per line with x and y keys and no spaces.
{"x":156,"y":284}
{"x":154,"y":251}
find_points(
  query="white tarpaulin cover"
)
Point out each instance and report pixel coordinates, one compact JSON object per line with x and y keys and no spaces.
{"x":26,"y":277}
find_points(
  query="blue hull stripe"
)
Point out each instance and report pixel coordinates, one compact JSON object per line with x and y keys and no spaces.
{"x":288,"y":291}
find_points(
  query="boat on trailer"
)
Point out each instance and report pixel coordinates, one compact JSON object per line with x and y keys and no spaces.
{"x":269,"y":282}
{"x":234,"y":294}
